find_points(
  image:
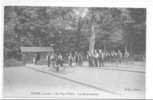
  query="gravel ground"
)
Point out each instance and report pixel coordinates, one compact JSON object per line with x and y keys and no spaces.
{"x":118,"y":81}
{"x":22,"y":82}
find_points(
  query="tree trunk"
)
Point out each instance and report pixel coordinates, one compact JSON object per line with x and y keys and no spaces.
{"x":78,"y":35}
{"x":92,"y":40}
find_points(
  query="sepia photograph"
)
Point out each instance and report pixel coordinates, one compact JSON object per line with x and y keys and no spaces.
{"x":79,"y":52}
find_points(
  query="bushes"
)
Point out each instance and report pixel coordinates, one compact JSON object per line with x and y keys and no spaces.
{"x":137,"y":58}
{"x":12,"y":62}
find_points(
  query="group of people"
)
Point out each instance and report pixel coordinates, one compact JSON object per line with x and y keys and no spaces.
{"x":97,"y":59}
{"x":76,"y":58}
{"x":100,"y":56}
{"x":57,"y":59}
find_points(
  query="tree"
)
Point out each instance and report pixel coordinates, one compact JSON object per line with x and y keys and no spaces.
{"x":105,"y":22}
{"x":74,"y":28}
{"x":135,"y":37}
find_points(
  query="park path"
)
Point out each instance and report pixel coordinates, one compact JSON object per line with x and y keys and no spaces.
{"x":127,"y":81}
{"x":24,"y":82}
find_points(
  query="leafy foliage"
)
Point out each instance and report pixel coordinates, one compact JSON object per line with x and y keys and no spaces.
{"x":72,"y":28}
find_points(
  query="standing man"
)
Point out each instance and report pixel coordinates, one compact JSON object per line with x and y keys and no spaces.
{"x":48,"y":59}
{"x":96,"y":58}
{"x":37,"y":58}
{"x":120,"y":56}
{"x":89,"y":59}
{"x":80,"y":58}
{"x":126,"y":56}
{"x":100,"y":58}
{"x":70,"y":59}
{"x":76,"y":57}
{"x":60,"y":60}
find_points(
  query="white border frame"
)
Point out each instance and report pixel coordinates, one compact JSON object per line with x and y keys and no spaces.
{"x":148,"y":4}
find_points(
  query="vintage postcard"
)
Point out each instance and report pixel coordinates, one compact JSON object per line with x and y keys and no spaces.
{"x":67,"y":51}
